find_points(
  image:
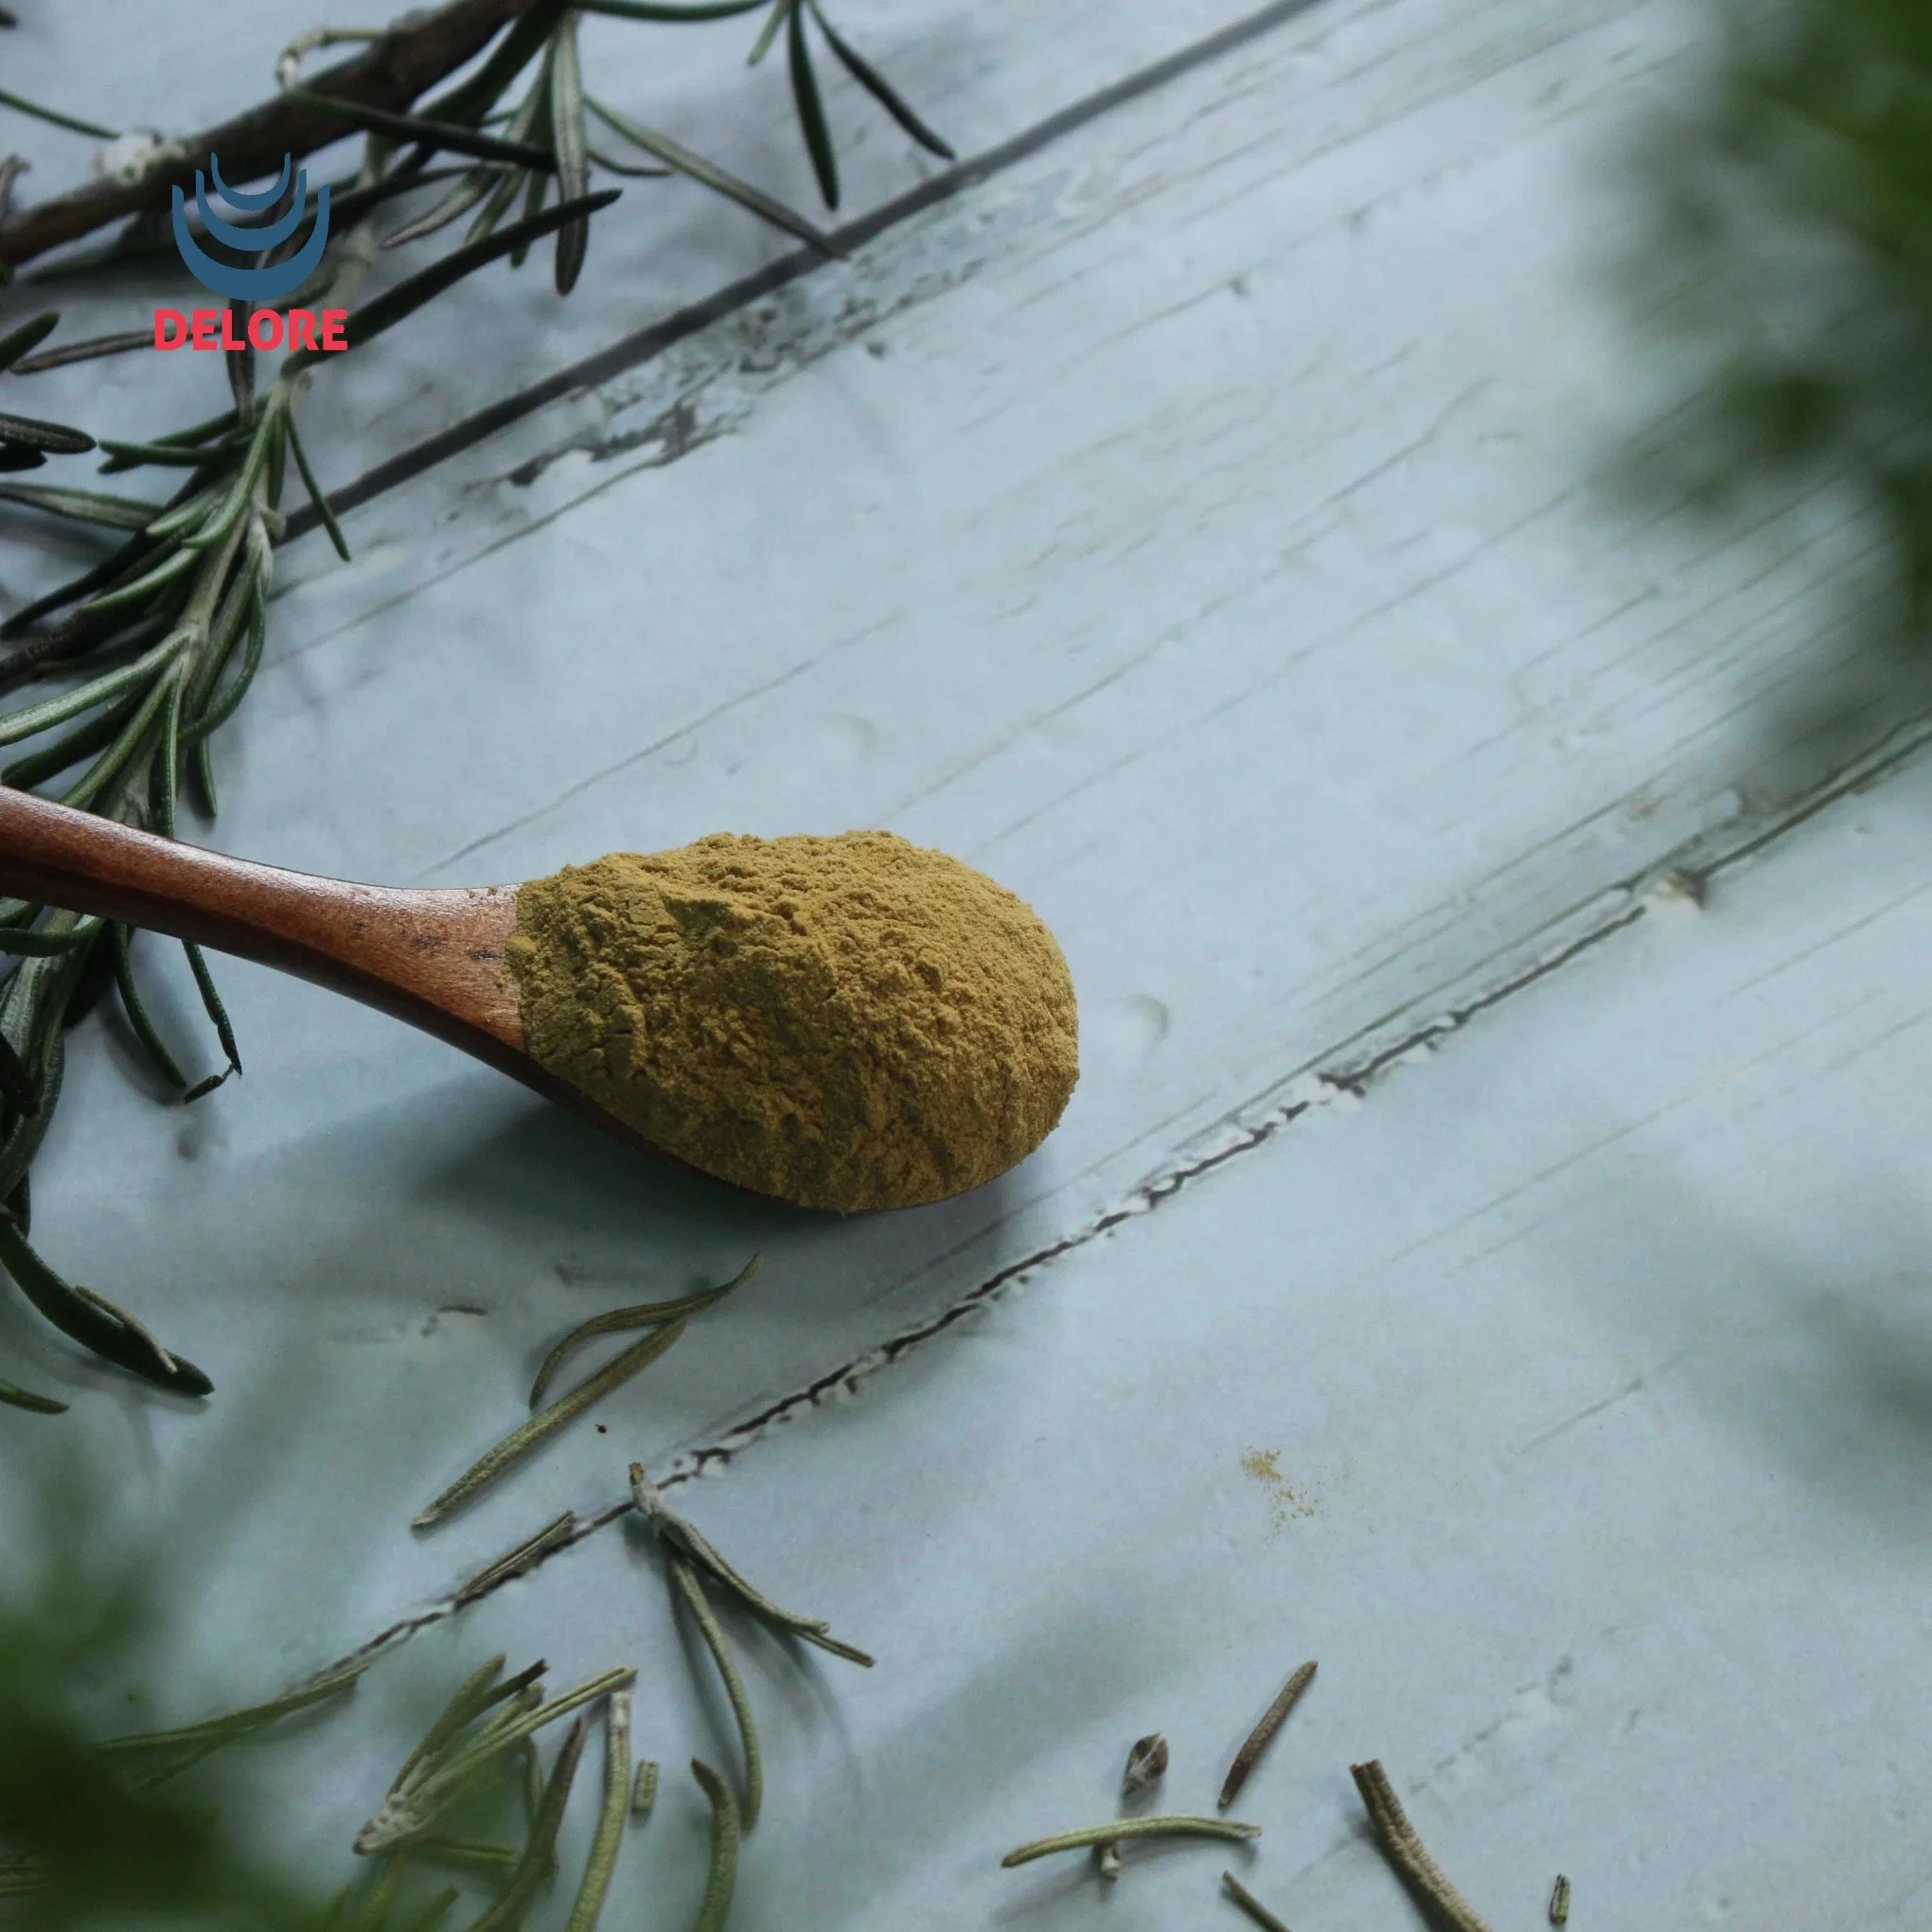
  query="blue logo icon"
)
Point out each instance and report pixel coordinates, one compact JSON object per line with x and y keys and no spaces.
{"x":251,"y":284}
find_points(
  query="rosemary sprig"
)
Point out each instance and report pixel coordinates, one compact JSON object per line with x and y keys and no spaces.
{"x":1179,"y":1825}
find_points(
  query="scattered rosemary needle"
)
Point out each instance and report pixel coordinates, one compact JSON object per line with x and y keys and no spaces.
{"x":608,"y":1840}
{"x":538,"y":1853}
{"x":1407,"y":1853}
{"x":484,"y":1851}
{"x":685,"y":1580}
{"x":724,"y":1848}
{"x":1179,"y":1825}
{"x":1258,"y":1739}
{"x":648,"y":1314}
{"x":525,"y":1555}
{"x":1559,"y":1902}
{"x":196,"y":1741}
{"x":644,"y":1794}
{"x":520,"y":1441}
{"x":1251,"y":1905}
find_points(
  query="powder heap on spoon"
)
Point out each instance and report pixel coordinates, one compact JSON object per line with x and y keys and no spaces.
{"x":851,"y":1022}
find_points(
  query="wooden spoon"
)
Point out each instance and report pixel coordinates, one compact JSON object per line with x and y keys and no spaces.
{"x":432,"y":958}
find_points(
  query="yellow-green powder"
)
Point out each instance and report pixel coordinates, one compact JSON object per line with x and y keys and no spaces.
{"x":850,"y":1023}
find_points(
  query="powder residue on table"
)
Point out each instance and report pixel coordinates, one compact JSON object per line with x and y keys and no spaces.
{"x":847,"y":1022}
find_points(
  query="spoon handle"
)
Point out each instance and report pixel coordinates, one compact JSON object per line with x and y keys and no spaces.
{"x":56,"y":856}
{"x":432,"y":958}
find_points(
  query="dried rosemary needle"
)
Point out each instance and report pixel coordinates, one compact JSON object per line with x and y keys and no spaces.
{"x":1407,"y":1853}
{"x":1258,"y":1739}
{"x":1179,"y":1825}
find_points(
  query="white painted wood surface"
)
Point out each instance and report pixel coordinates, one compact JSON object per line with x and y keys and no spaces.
{"x":1198,"y":526}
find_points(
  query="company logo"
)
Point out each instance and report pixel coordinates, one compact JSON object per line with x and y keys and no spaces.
{"x":267,"y":327}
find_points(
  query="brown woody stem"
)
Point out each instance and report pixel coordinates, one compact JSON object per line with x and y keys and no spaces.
{"x":390,"y":73}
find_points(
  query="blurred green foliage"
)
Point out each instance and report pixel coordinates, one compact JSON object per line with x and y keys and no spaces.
{"x":1791,"y":257}
{"x":82,"y":1844}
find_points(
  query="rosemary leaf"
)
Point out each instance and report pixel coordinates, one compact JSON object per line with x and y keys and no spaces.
{"x":219,"y":709}
{"x":218,"y":1017}
{"x":631,"y":171}
{"x":685,"y":1540}
{"x":709,"y":174}
{"x":31,"y":943}
{"x":811,"y":110}
{"x":33,"y":719}
{"x":644,"y":1794}
{"x":685,"y":1580}
{"x":17,"y":341}
{"x":1407,"y":1853}
{"x":538,"y":1853}
{"x":509,"y":185}
{"x":659,"y":10}
{"x":520,"y":1441}
{"x":768,"y":32}
{"x":725,"y":1832}
{"x":422,"y":1794}
{"x":89,"y":350}
{"x":1257,"y":1740}
{"x":386,"y":310}
{"x":82,"y":506}
{"x":471,"y":98}
{"x":13,"y":457}
{"x":567,"y":140}
{"x":95,"y":1322}
{"x":433,"y":1914}
{"x":317,"y":495}
{"x":178,"y":563}
{"x":515,"y":1561}
{"x":53,"y":437}
{"x":472,"y":1699}
{"x":164,"y":454}
{"x":451,"y":136}
{"x":24,"y":1399}
{"x":476,"y":182}
{"x":236,"y":1724}
{"x":138,"y":1018}
{"x":876,"y":84}
{"x":608,"y":1838}
{"x":483,"y":1851}
{"x":1251,"y":1905}
{"x":1178,"y":1826}
{"x":646,"y":1315}
{"x":70,"y":122}
{"x":108,"y":766}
